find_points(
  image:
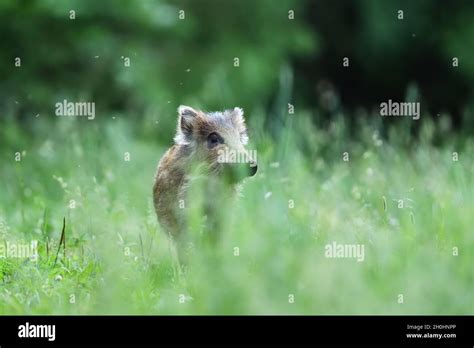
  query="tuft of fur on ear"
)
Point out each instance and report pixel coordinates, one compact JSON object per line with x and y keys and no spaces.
{"x":238,"y":120}
{"x":184,"y":131}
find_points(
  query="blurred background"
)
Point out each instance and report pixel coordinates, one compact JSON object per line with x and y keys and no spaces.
{"x":176,"y":61}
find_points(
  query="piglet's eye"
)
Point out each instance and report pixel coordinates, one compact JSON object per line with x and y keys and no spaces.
{"x":213,"y":140}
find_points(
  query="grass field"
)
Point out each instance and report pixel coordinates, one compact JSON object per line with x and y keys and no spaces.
{"x":409,"y":203}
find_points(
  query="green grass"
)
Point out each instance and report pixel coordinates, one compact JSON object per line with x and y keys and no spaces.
{"x":118,"y":261}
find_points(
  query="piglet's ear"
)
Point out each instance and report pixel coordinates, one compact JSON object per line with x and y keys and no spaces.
{"x":238,"y":117}
{"x":186,"y":118}
{"x":186,"y":111}
{"x":238,"y":120}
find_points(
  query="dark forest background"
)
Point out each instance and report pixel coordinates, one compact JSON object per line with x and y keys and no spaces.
{"x":177,"y":61}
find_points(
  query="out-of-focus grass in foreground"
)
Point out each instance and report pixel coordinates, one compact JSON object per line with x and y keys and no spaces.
{"x":410,"y":205}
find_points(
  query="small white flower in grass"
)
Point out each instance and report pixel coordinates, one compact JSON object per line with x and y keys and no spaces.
{"x":58,"y":278}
